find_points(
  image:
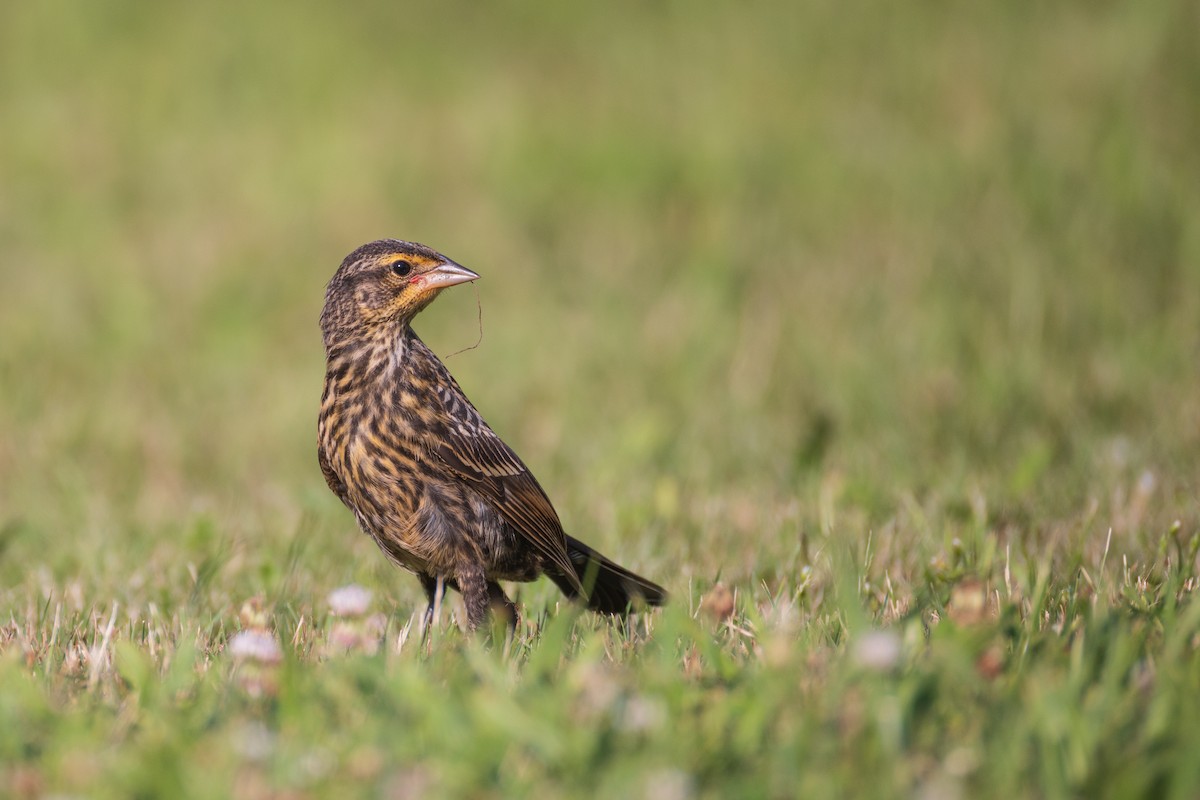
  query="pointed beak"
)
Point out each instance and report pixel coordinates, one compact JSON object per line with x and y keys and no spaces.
{"x":447,"y":274}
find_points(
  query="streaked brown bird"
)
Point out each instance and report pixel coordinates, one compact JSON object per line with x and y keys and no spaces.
{"x":425,"y":476}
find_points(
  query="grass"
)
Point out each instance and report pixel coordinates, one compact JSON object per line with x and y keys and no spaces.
{"x":873,"y":336}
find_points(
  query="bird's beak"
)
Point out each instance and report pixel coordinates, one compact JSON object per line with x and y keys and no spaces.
{"x":447,"y":274}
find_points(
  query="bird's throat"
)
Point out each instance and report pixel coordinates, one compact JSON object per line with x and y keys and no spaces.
{"x":371,"y":359}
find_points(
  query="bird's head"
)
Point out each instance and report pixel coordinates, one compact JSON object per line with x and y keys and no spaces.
{"x":386,"y":283}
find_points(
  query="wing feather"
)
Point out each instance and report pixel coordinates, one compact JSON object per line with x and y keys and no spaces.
{"x":465,"y":444}
{"x":481,"y":459}
{"x":336,"y":485}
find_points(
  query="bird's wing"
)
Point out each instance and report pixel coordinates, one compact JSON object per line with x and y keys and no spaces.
{"x":473,"y":452}
{"x":331,"y":477}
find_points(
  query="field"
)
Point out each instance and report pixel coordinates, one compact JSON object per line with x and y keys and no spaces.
{"x":873,"y":334}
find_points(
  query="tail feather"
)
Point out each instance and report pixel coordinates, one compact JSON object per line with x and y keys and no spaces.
{"x":611,"y":589}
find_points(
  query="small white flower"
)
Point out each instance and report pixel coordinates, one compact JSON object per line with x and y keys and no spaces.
{"x":255,"y":646}
{"x":668,"y":784}
{"x":254,"y":742}
{"x":345,"y":637}
{"x":643,"y":714}
{"x":877,"y":650}
{"x":349,"y":601}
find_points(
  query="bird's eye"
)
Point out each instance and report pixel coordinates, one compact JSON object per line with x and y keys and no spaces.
{"x":402,"y":268}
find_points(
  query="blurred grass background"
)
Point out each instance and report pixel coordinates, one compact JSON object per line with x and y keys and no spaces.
{"x":760,"y":281}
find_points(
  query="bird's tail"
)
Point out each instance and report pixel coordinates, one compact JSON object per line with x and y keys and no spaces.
{"x":611,"y":589}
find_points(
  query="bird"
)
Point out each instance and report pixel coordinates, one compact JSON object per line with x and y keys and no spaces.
{"x":425,"y":476}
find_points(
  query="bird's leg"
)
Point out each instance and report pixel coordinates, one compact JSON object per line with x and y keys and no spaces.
{"x":474,"y":588}
{"x":501,"y":606}
{"x":435,"y":589}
